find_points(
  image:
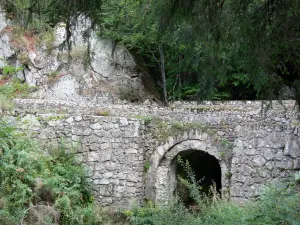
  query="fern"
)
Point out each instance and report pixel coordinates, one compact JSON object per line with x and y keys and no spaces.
{"x":30,"y":176}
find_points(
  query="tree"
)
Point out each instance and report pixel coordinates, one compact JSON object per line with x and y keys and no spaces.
{"x":215,"y":49}
{"x":255,"y":41}
{"x":135,"y":24}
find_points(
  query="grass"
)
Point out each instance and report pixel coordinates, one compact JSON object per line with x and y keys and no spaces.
{"x":102,"y":112}
{"x":200,"y":109}
{"x":164,"y":129}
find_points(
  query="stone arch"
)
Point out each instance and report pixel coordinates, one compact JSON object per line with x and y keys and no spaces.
{"x":160,"y":177}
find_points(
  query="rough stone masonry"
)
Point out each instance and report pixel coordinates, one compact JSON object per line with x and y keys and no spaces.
{"x":130,"y":148}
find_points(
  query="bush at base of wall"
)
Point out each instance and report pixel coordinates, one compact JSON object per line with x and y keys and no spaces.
{"x":41,"y":187}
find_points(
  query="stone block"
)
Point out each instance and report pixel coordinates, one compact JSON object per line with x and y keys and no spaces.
{"x":70,"y":119}
{"x":103,"y":181}
{"x":110,"y":166}
{"x":259,"y":161}
{"x":107,"y":175}
{"x":96,"y":126}
{"x":95,"y":147}
{"x":292,"y":146}
{"x":123,"y":122}
{"x":78,"y":118}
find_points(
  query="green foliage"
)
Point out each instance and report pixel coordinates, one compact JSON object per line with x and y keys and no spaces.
{"x":31,"y":176}
{"x":53,"y":74}
{"x":15,"y":89}
{"x":5,"y":103}
{"x":147,"y":166}
{"x":175,"y":214}
{"x":10,"y":70}
{"x":211,"y":49}
{"x":278,"y":204}
{"x":221,"y":96}
{"x":191,"y":183}
{"x":297,"y":177}
{"x":44,"y":13}
{"x":147,"y":119}
{"x":48,"y":39}
{"x":23,"y":58}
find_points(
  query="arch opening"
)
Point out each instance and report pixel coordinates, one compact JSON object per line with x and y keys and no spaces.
{"x":206,"y":169}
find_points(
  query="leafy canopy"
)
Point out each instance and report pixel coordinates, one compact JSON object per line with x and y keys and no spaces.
{"x":213,"y":49}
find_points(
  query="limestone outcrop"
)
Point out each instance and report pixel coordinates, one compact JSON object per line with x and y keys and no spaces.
{"x":92,"y":69}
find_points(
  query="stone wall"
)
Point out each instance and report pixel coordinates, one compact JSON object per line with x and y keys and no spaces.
{"x":128,"y":149}
{"x":109,"y":147}
{"x":263,"y":152}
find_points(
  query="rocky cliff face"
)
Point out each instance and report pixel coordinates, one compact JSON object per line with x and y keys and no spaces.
{"x":94,"y":69}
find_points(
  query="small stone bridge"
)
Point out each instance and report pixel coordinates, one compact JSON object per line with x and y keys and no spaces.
{"x":131,"y":150}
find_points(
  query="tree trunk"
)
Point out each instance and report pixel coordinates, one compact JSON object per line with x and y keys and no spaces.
{"x":163,"y":73}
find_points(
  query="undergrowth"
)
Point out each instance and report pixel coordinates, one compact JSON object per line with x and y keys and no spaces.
{"x":41,"y":186}
{"x":279,"y":203}
{"x":31,"y":177}
{"x":15,"y":89}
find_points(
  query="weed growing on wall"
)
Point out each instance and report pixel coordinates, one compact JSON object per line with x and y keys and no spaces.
{"x":10,"y":89}
{"x":147,"y":119}
{"x":10,"y":70}
{"x":147,"y":166}
{"x":164,"y":129}
{"x":102,"y":112}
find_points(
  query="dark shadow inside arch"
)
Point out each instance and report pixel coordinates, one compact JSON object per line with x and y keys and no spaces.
{"x":206,"y":169}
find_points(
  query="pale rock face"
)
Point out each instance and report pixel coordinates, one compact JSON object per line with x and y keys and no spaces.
{"x":5,"y":49}
{"x":3,"y":22}
{"x":65,"y":89}
{"x":110,"y":70}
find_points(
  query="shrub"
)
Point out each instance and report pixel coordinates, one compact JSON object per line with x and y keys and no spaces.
{"x":5,"y":103}
{"x":174,"y":214}
{"x":15,"y":89}
{"x":279,"y":203}
{"x":31,"y":177}
{"x":130,"y":94}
